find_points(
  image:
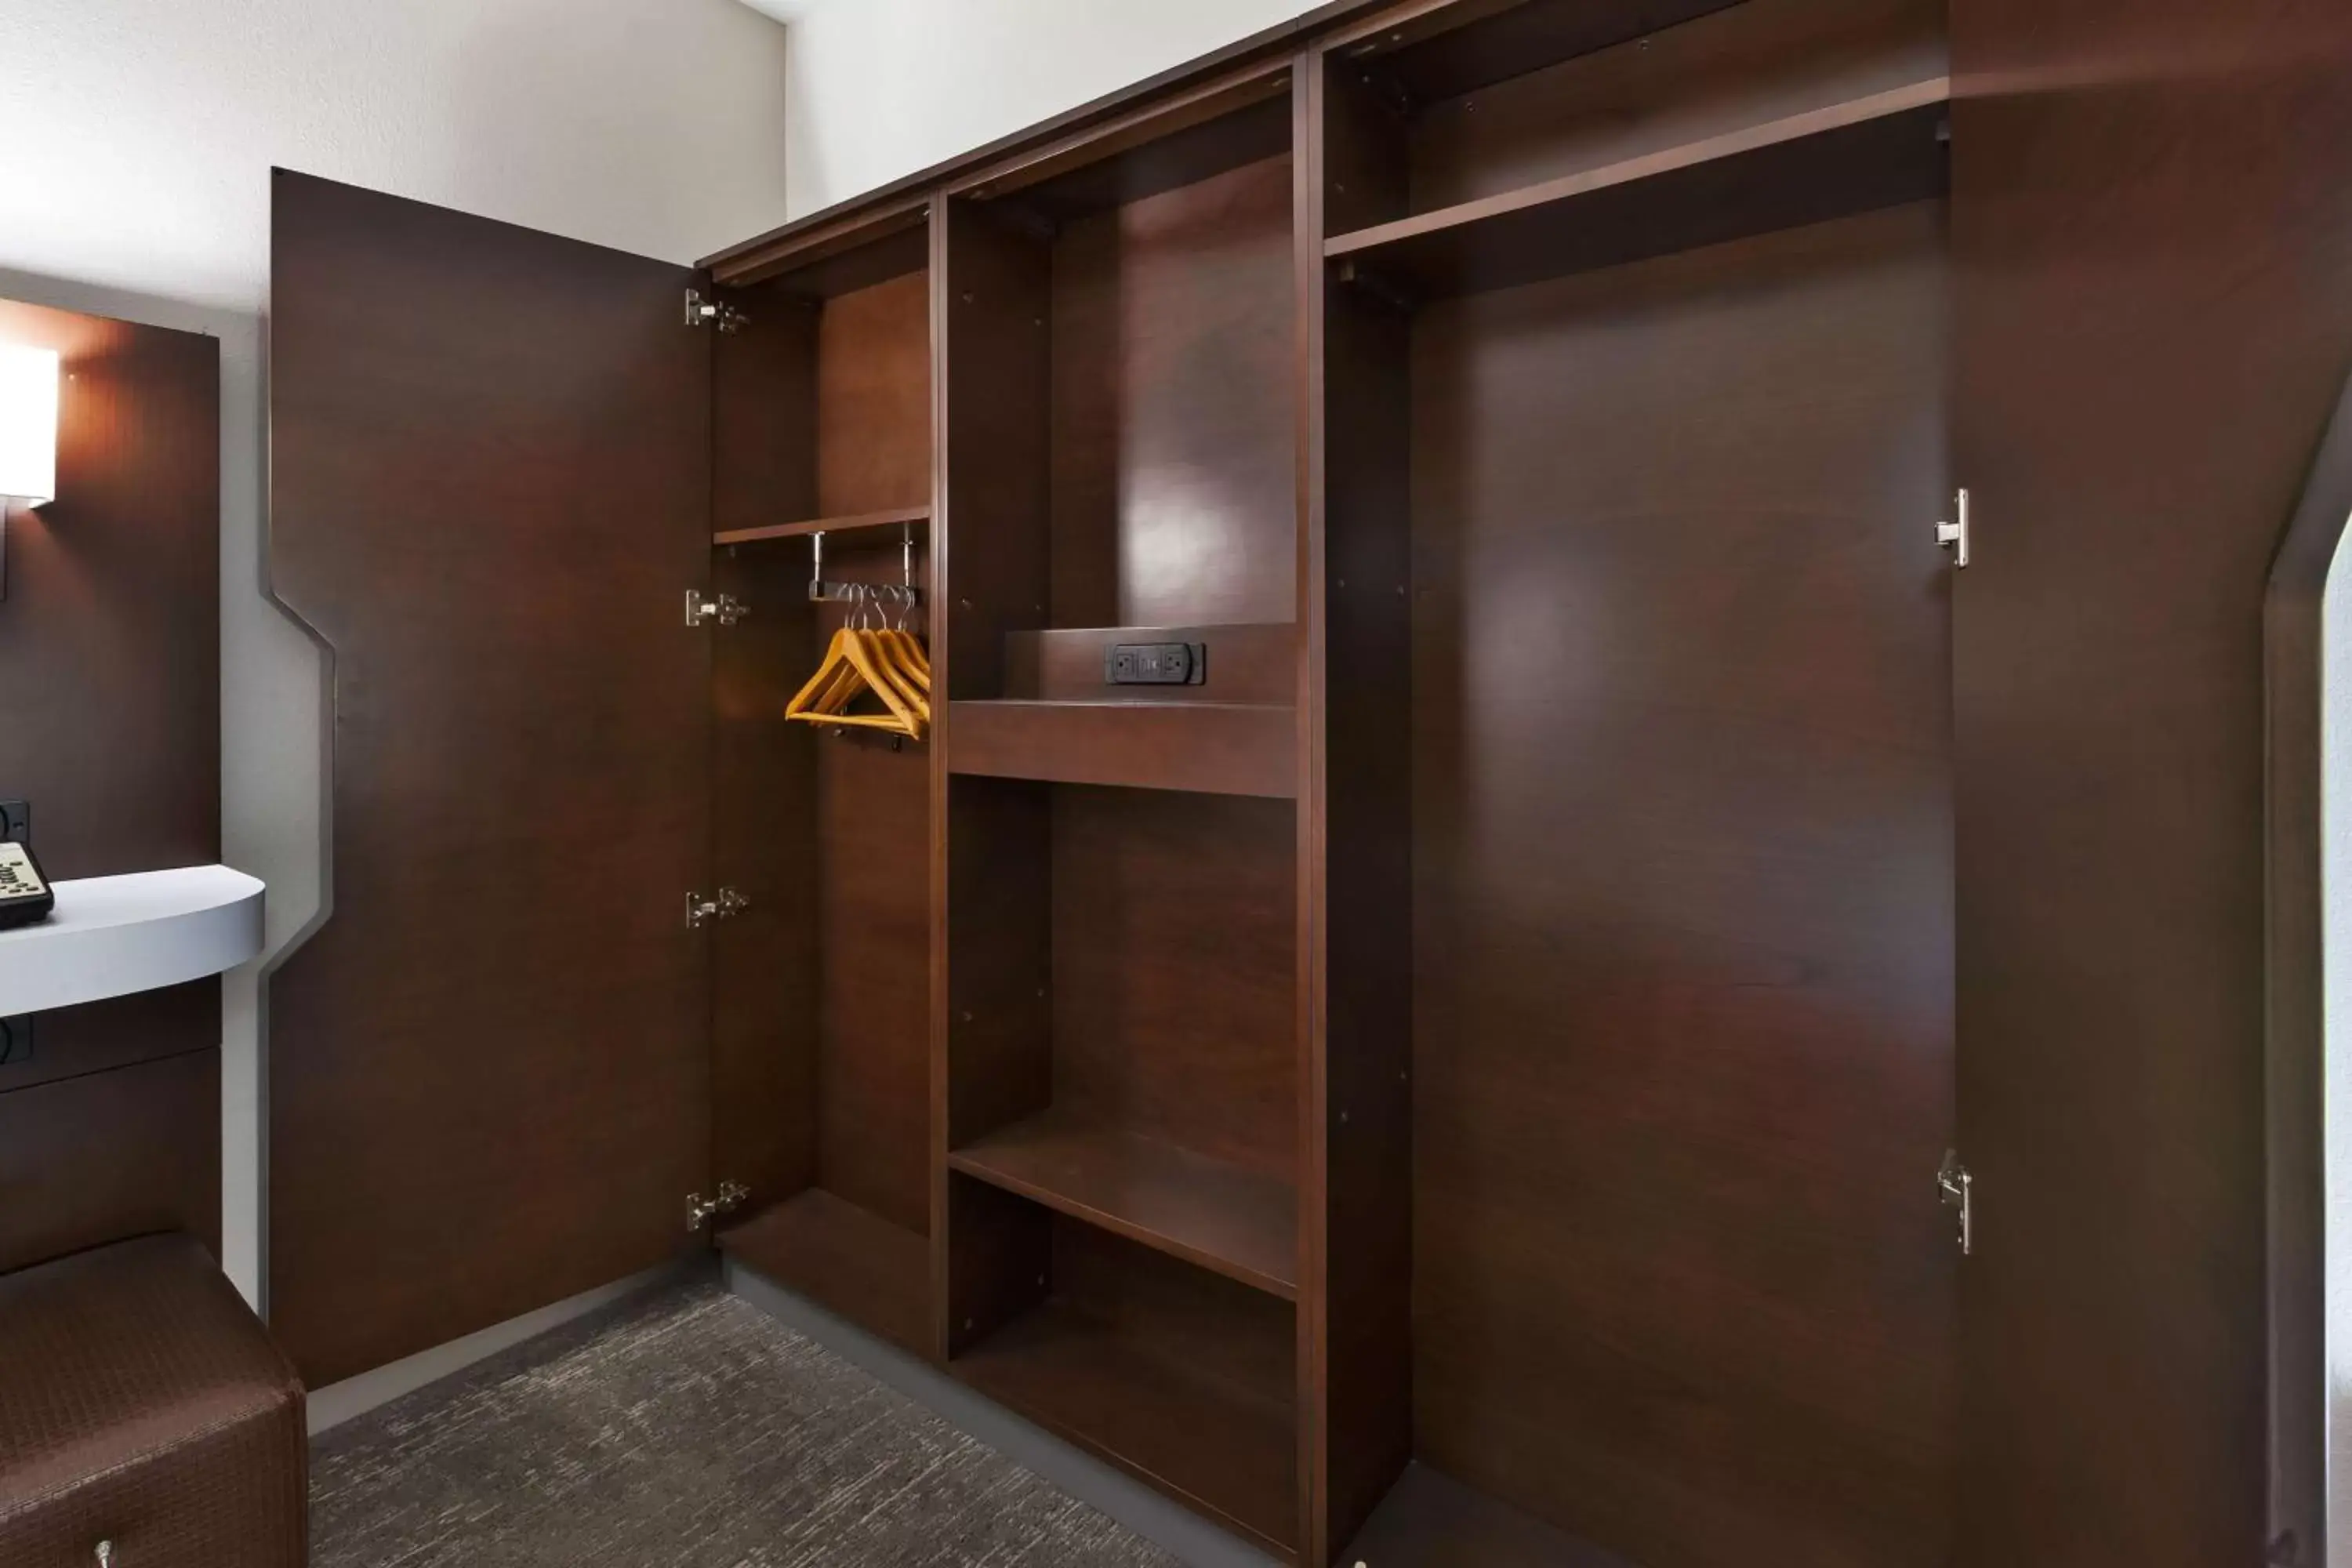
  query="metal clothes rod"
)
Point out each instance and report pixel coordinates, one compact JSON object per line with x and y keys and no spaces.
{"x":823,"y":593}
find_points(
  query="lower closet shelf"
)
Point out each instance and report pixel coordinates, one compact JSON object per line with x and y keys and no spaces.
{"x":1229,"y":1456}
{"x":845,"y":1258}
{"x":1240,"y":1222}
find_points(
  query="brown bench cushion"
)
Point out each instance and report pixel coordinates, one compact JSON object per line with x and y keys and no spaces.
{"x":141,"y":1403}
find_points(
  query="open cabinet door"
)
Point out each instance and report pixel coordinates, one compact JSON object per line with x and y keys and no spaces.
{"x":2152,"y":226}
{"x":490,"y":475}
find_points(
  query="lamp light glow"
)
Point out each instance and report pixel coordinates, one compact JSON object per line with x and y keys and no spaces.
{"x":28,"y":425}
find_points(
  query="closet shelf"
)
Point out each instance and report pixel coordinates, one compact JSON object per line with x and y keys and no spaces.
{"x":824,"y":525}
{"x":846,"y":1258}
{"x":1233,"y":1457}
{"x":110,"y":936}
{"x":1207,"y":748}
{"x":1238,"y":1221}
{"x":1876,"y":150}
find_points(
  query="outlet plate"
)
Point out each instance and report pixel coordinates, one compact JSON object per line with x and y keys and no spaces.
{"x":1156,"y":664}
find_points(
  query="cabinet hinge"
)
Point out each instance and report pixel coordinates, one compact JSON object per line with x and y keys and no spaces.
{"x":1958,"y":1191}
{"x":704,"y":312}
{"x":1954,"y":535}
{"x":726,"y":609}
{"x":700,"y":911}
{"x":701,"y":1210}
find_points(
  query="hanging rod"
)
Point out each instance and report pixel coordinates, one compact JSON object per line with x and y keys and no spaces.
{"x":823,"y":593}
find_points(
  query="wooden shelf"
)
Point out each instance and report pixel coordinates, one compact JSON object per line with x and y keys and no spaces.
{"x":845,"y":1258}
{"x":1231,"y":1456}
{"x":824,"y":525}
{"x":1240,"y":1222}
{"x":1210,"y":748}
{"x":1876,"y":150}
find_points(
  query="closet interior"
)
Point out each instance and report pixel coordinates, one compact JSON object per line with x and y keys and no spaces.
{"x":1489,"y":999}
{"x":821,"y":979}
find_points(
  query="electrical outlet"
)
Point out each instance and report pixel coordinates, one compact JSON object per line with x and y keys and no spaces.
{"x":16,"y":822}
{"x":1156,"y":664}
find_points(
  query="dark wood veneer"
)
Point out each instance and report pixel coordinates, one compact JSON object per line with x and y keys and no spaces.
{"x":2152,"y":236}
{"x":1246,"y":664}
{"x":1541,"y":408}
{"x":1221,"y":748}
{"x":1174,"y":1375}
{"x":1240,"y":1222}
{"x":109,"y":1155}
{"x":874,"y":1273}
{"x":109,"y":728}
{"x":1683,"y":1027}
{"x":490,"y":487}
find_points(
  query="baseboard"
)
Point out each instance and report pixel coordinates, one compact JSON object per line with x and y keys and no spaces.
{"x":1157,"y":1518}
{"x":339,"y":1402}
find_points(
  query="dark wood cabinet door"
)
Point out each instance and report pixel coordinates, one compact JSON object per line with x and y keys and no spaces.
{"x":491,"y":473}
{"x":2152,"y":231}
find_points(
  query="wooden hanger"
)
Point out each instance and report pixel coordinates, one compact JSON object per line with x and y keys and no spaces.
{"x":855,"y":661}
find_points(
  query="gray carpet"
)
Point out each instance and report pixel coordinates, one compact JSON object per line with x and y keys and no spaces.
{"x":686,"y":1427}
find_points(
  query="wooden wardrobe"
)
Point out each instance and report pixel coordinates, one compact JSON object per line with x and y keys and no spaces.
{"x":1504,"y":1029}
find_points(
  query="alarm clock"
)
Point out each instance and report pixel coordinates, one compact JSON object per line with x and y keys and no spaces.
{"x":25,"y":893}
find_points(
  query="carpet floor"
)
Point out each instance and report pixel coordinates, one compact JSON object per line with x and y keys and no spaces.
{"x":688,"y":1428}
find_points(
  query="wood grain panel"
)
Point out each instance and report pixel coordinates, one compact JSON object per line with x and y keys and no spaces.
{"x":1236,"y":1222}
{"x":2152,"y":226}
{"x":874,"y":398}
{"x":1682,"y":900}
{"x":997,"y":283}
{"x":1355,"y":826}
{"x":70,"y":1041}
{"x":1255,"y":663}
{"x":874,"y":879}
{"x":1173,"y":977}
{"x":1177,"y":1376}
{"x":109,"y":711}
{"x":1852,"y":156}
{"x":111,"y":1155}
{"x":1431,"y":1521}
{"x":1743,"y":66}
{"x":764,"y":978}
{"x":110,"y":634}
{"x":845,"y":1257}
{"x":1219,"y":748}
{"x":1174,"y":436}
{"x":490,"y":487}
{"x":1429,"y":52}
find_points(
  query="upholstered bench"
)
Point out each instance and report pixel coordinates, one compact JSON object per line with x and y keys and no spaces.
{"x":146,"y":1420}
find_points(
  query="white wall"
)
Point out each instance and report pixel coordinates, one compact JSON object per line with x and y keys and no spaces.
{"x":883,"y":88}
{"x":136,"y":138}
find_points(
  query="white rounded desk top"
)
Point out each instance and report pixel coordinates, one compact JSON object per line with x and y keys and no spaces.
{"x":110,"y":936}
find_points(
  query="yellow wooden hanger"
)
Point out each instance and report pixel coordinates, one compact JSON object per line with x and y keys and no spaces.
{"x":855,"y":662}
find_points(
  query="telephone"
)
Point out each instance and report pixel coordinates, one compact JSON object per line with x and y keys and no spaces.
{"x":25,"y":893}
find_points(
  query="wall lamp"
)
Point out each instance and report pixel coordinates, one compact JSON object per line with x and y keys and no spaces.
{"x":28,"y":436}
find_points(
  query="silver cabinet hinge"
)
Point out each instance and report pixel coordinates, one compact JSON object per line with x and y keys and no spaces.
{"x":1958,"y":1191}
{"x":700,"y":911}
{"x":701,"y":1210}
{"x":726,"y":609}
{"x":704,"y":312}
{"x":1954,"y":535}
